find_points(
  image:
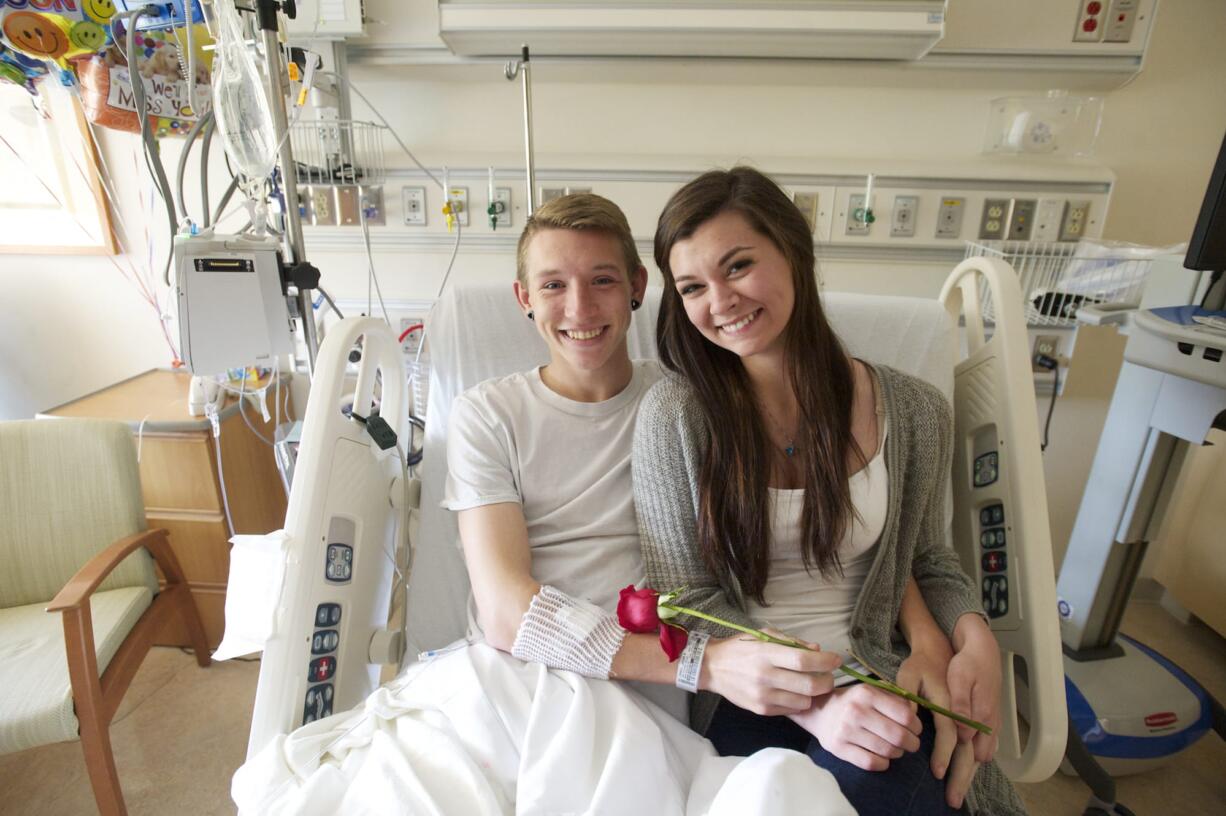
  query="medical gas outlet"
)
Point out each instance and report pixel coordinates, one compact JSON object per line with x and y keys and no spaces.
{"x":859,"y":216}
{"x":455,"y":209}
{"x":499,"y":209}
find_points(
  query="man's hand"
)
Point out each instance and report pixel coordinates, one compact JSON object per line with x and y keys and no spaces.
{"x":924,"y":673}
{"x":974,"y":683}
{"x":863,"y":725}
{"x":767,"y":678}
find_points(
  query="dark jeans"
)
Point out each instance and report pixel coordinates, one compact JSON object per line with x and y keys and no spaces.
{"x":907,"y":788}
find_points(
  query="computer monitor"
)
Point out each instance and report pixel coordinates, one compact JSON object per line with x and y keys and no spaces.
{"x":1207,"y":249}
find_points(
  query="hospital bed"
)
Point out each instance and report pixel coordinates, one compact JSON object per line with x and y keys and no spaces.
{"x":348,"y":500}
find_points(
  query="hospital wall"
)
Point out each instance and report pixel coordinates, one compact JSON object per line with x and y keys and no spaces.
{"x":73,"y":325}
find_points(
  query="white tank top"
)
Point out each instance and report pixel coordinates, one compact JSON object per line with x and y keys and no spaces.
{"x":806,"y":604}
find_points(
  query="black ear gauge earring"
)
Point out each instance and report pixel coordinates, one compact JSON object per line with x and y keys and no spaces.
{"x":530,"y":316}
{"x":634,"y":304}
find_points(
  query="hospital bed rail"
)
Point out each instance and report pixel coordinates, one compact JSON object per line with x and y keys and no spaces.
{"x":1000,"y":527}
{"x":330,"y":634}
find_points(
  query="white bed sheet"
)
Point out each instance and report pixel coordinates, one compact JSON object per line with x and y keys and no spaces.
{"x":475,"y":731}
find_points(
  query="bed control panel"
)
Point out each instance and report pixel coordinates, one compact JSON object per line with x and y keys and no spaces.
{"x":338,"y":557}
{"x":994,"y":560}
{"x":987,"y":468}
{"x":321,"y":671}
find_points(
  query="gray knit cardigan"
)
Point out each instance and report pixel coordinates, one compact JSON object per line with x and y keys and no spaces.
{"x":669,"y":446}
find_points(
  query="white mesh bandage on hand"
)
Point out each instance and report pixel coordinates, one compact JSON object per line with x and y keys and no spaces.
{"x":565,"y":633}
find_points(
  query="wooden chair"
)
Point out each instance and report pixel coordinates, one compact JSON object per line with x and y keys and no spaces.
{"x":73,"y":542}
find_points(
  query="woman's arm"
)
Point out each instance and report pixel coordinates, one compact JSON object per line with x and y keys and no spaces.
{"x":665,"y":465}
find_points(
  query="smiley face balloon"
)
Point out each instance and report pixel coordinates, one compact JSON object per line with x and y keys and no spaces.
{"x":87,"y":36}
{"x":98,"y":10}
{"x":37,"y":35}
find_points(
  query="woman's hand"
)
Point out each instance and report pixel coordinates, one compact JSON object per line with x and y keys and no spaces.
{"x":863,"y":725}
{"x":766,"y":678}
{"x":974,"y":683}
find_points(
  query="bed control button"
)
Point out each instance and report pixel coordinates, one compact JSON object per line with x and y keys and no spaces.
{"x":994,"y":562}
{"x":318,"y":703}
{"x":995,"y":595}
{"x":324,"y":641}
{"x":987,"y":468}
{"x":338,"y":565}
{"x":322,"y":668}
{"x":991,"y":539}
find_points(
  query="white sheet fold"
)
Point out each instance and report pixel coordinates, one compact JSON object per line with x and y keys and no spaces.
{"x":476,"y":731}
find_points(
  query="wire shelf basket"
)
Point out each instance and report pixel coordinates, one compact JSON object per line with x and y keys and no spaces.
{"x":1059,"y":278}
{"x":338,"y":151}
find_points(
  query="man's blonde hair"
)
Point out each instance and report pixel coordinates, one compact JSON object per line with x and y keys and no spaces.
{"x":578,"y":211}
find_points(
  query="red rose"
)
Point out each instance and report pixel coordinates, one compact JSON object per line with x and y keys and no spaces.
{"x":636,"y":610}
{"x":672,"y":640}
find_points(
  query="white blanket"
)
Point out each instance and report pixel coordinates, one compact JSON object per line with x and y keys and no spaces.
{"x":476,"y":731}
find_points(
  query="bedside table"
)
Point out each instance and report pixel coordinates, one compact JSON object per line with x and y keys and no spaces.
{"x":181,"y":479}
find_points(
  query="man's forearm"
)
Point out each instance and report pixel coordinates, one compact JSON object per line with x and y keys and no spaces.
{"x":915,"y":620}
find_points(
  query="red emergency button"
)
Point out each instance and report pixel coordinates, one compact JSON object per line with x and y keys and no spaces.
{"x":1089,"y":25}
{"x":321,"y":669}
{"x":1094,"y":7}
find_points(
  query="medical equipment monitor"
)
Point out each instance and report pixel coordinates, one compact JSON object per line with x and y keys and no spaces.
{"x":1207,"y":249}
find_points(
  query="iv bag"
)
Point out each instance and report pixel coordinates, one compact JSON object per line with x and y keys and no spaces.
{"x":244,"y":118}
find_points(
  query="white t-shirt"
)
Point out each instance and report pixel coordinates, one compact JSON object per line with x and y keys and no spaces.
{"x":567,"y":464}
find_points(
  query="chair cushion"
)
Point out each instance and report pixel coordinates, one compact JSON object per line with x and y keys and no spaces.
{"x":36,"y":703}
{"x":68,"y":488}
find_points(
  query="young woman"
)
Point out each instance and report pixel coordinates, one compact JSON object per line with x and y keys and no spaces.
{"x":780,"y":481}
{"x":521,"y":719}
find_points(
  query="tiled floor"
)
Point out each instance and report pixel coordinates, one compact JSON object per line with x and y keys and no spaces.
{"x":182,"y":731}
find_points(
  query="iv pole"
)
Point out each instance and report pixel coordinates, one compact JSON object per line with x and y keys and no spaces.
{"x":266,"y":15}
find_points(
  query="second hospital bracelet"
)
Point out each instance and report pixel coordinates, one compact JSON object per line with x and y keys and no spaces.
{"x":689,"y":665}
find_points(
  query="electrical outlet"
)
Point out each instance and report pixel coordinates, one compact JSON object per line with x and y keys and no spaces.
{"x":1047,"y":220}
{"x":502,"y":202}
{"x":323,"y":211}
{"x":1091,"y":19}
{"x":412,"y":341}
{"x":949,"y":217}
{"x":857,"y":214}
{"x":1073,"y":227}
{"x":807,"y":204}
{"x":994,"y":220}
{"x":903,"y":223}
{"x":414,"y":199}
{"x":550,"y":193}
{"x":1047,"y":345}
{"x":577,"y":190}
{"x":1021,"y":219}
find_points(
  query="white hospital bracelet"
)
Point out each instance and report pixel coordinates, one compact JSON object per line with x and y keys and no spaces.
{"x":690,"y":663}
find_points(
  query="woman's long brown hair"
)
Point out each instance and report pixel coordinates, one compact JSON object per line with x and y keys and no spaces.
{"x":733,"y":515}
